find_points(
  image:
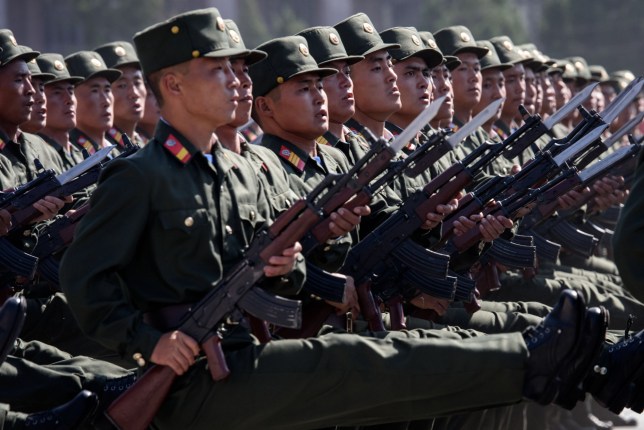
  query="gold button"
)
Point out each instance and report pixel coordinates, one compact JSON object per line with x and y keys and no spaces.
{"x":229,"y":230}
{"x":138,"y":357}
{"x":252,"y":215}
{"x":195,"y":54}
{"x":174,"y":29}
{"x":189,"y":221}
{"x":280,"y":80}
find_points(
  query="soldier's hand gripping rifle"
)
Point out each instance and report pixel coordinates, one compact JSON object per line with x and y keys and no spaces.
{"x":136,"y":408}
{"x":393,"y":254}
{"x":546,"y":194}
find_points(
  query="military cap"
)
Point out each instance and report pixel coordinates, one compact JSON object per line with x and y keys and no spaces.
{"x":598,"y":73}
{"x":450,"y":61}
{"x":569,"y":72}
{"x":118,"y":54}
{"x":288,"y":57}
{"x":34,"y":69}
{"x":411,"y":45}
{"x":10,"y":50}
{"x":456,"y":39}
{"x":55,"y":64}
{"x":89,"y":64}
{"x":360,"y":37}
{"x":507,"y":51}
{"x":581,"y":66}
{"x":491,"y":59}
{"x":539,"y":61}
{"x":194,"y":34}
{"x":235,"y":41}
{"x":325,"y":45}
{"x":622,"y":78}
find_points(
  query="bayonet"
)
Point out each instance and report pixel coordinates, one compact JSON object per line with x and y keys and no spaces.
{"x":411,"y":131}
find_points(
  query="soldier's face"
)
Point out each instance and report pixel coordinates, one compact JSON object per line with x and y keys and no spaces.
{"x":245,"y":102}
{"x":514,"y":89}
{"x":61,"y":106}
{"x":339,"y":92}
{"x":549,"y":102}
{"x":16,"y":94}
{"x":562,"y":93}
{"x":493,"y":88}
{"x":300,"y":110}
{"x":414,"y":83}
{"x":95,"y":105}
{"x":129,"y":95}
{"x":39,"y":109}
{"x":530,"y":90}
{"x":208,"y":91}
{"x":151,"y":111}
{"x":466,"y":81}
{"x":442,"y":79}
{"x":374,"y":85}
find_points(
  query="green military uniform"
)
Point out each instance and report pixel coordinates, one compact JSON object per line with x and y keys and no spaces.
{"x":166,"y":260}
{"x":88,"y":65}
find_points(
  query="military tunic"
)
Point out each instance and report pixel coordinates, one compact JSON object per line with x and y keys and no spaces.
{"x":161,"y":259}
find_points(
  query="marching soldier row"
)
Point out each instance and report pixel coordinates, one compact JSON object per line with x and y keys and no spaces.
{"x":174,"y":221}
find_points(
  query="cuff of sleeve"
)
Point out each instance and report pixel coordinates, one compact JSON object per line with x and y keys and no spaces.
{"x":143,"y":342}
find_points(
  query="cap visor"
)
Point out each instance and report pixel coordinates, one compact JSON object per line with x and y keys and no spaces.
{"x":110,"y":74}
{"x":25,"y":56}
{"x":350,"y":59}
{"x":321,"y":71}
{"x":253,"y":56}
{"x":476,"y":50}
{"x":381,"y":46}
{"x":227,"y":52}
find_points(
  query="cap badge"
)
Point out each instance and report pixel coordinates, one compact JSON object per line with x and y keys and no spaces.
{"x":431,"y":44}
{"x":221,"y":25}
{"x":578,"y":65}
{"x":95,"y":63}
{"x":507,"y":45}
{"x":12,"y":39}
{"x":58,"y":65}
{"x":465,"y":37}
{"x":304,"y":49}
{"x":334,"y":39}
{"x":234,"y":36}
{"x":569,"y":68}
{"x":415,"y":39}
{"x":368,"y":28}
{"x":119,"y":50}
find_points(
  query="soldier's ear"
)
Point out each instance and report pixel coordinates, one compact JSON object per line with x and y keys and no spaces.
{"x":171,"y":83}
{"x":264,"y":106}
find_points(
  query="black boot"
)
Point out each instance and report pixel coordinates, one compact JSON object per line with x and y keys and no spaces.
{"x":113,"y":388}
{"x":70,"y":416}
{"x":551,"y":345}
{"x":12,"y":317}
{"x":587,"y":350}
{"x":612,"y":381}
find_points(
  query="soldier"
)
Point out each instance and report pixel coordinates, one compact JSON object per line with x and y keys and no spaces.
{"x":145,"y":126}
{"x":95,"y":110}
{"x":172,"y":252}
{"x":39,"y":110}
{"x":128,"y":90}
{"x":61,"y":108}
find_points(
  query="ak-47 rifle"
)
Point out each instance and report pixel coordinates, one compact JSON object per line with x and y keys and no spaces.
{"x":237,"y":289}
{"x":365,"y":266}
{"x":544,"y":195}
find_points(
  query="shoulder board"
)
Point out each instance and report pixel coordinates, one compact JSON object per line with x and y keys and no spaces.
{"x":175,"y":147}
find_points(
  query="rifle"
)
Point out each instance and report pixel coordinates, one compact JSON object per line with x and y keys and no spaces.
{"x":544,"y":195}
{"x":237,"y":289}
{"x":19,"y":202}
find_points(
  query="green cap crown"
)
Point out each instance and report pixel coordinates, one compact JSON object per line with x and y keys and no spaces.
{"x":599,"y":73}
{"x":581,"y":66}
{"x":491,"y":59}
{"x":450,"y":61}
{"x":35,"y":71}
{"x":457,"y":39}
{"x":235,"y":41}
{"x":287,"y":57}
{"x":10,"y":50}
{"x":89,"y":64}
{"x":194,"y":34}
{"x":539,"y":62}
{"x":326,"y":46}
{"x":507,"y":51}
{"x":118,"y":54}
{"x":411,"y":45}
{"x":55,"y":64}
{"x":360,"y":37}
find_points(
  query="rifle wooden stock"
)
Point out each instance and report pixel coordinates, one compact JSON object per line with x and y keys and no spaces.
{"x":368,"y":307}
{"x":135,"y":409}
